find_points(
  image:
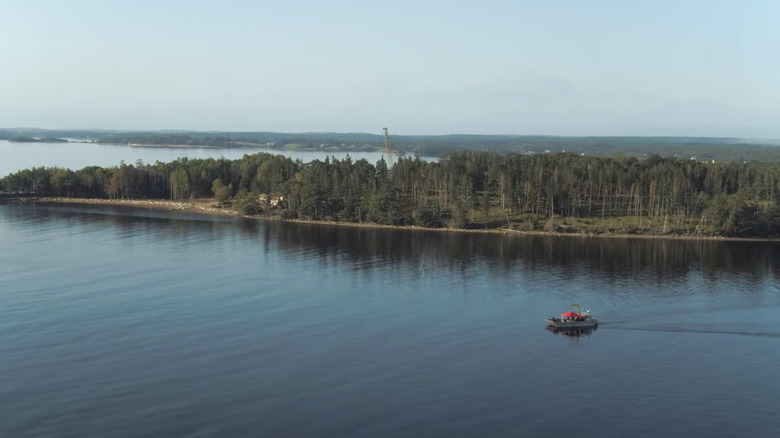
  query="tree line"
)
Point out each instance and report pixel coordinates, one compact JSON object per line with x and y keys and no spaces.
{"x":465,"y":190}
{"x":702,"y":148}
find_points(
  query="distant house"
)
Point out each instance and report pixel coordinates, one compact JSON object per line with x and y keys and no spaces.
{"x":270,"y":200}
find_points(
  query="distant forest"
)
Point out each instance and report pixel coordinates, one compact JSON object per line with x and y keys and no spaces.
{"x":562,"y":192}
{"x":697,"y":148}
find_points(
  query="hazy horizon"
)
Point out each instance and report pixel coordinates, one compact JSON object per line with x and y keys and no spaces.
{"x":37,"y":128}
{"x":601,"y":68}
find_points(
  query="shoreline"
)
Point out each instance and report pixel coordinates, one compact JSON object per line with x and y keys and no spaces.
{"x":205,"y":207}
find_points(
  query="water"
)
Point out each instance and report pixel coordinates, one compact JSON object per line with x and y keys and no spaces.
{"x":134,"y":323}
{"x":74,"y":156}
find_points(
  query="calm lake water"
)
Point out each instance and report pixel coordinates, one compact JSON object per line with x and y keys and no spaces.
{"x":74,"y":156}
{"x":136,"y":323}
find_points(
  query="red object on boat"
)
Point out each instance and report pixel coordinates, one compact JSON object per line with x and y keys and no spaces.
{"x":572,"y":315}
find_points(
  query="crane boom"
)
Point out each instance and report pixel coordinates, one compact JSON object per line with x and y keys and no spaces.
{"x":387,"y":147}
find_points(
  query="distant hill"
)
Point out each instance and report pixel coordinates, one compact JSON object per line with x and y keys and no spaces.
{"x":698,"y":148}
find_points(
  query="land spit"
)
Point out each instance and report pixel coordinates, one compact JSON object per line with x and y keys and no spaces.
{"x":209,"y":206}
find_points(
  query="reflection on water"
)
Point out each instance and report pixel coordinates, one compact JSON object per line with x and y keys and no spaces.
{"x":648,"y":259}
{"x":571,"y":332}
{"x":661,"y":260}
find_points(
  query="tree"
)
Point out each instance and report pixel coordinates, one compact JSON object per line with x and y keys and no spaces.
{"x":220,"y":190}
{"x":180,"y":184}
{"x":246,"y":202}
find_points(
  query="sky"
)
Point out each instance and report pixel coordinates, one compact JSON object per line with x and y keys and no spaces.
{"x":679,"y":68}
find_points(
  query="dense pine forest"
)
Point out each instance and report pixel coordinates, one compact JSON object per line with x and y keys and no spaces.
{"x":560,"y":192}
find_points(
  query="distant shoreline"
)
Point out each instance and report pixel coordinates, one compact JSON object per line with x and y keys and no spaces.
{"x":189,"y":146}
{"x":705,"y":149}
{"x":206,"y":207}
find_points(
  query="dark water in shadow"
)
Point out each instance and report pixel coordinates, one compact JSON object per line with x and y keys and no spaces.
{"x":133,"y":323}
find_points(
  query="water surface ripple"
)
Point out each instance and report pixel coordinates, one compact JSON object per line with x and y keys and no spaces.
{"x":135,"y":323}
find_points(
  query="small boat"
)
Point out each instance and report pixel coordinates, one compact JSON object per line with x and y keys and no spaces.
{"x":573,"y":320}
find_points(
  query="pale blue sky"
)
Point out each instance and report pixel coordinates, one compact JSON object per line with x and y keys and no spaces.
{"x":698,"y":68}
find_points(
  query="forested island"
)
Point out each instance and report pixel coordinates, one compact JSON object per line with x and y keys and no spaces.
{"x":699,"y":148}
{"x":561,"y":192}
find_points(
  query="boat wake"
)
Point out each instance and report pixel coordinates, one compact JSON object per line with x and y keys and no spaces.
{"x":691,"y":330}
